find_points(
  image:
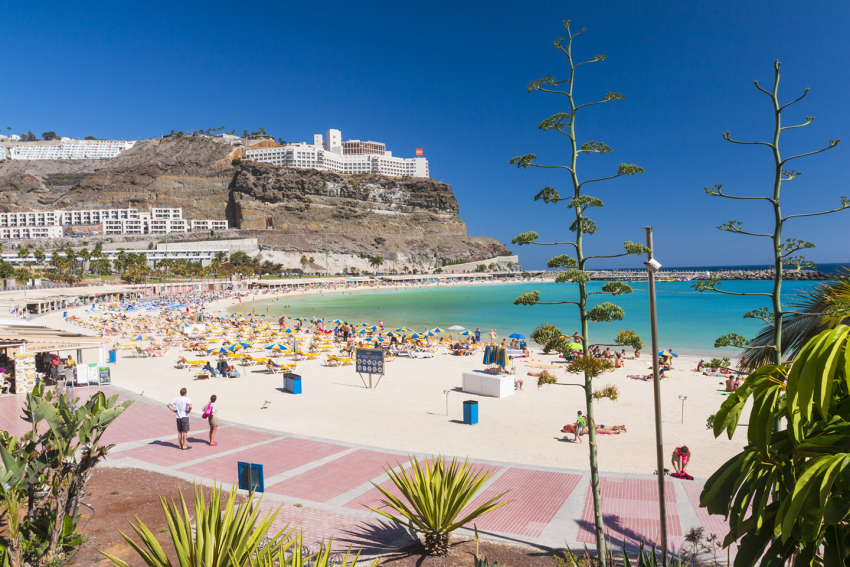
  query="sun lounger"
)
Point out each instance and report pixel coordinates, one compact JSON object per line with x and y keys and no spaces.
{"x":202,"y":376}
{"x":184,"y":363}
{"x":333,"y":360}
{"x":139,"y":353}
{"x":300,"y":355}
{"x":420,"y":352}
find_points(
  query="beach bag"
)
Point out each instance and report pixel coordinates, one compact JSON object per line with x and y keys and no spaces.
{"x":568,"y":429}
{"x":207,"y":411}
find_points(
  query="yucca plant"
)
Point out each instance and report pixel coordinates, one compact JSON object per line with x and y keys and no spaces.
{"x":227,"y":537}
{"x":294,"y":554}
{"x":435,"y":495}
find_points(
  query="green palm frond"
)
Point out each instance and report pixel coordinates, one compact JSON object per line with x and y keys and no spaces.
{"x":815,"y":310}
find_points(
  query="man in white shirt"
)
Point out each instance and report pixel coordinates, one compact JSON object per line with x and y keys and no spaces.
{"x":182,"y":406}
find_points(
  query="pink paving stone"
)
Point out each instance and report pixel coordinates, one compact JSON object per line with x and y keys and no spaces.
{"x":166,"y":453}
{"x":11,"y":410}
{"x":372,"y":499}
{"x":276,"y":457}
{"x":370,"y":536}
{"x":339,"y":476}
{"x":713,"y":524}
{"x":535,"y":497}
{"x":630,"y":513}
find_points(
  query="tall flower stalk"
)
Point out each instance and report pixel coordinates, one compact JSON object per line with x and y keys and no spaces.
{"x":574,"y":267}
{"x":761,"y":352}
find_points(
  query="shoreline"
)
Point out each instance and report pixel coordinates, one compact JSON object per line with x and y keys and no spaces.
{"x":230,"y":306}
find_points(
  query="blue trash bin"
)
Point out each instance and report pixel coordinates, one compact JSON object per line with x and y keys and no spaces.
{"x":470,"y":412}
{"x":65,"y":314}
{"x":113,"y":356}
{"x":292,"y":383}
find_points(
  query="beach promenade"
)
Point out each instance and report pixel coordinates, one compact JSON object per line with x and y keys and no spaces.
{"x":325,"y":486}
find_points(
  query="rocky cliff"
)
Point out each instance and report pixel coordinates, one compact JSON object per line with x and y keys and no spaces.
{"x":410,"y":221}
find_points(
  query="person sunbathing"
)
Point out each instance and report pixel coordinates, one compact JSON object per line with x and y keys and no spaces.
{"x":648,"y":377}
{"x":610,"y":430}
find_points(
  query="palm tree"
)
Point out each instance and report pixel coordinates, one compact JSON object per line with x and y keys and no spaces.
{"x":376,"y":262}
{"x":39,"y":256}
{"x":221,"y":256}
{"x":85,"y":256}
{"x":812,"y":311}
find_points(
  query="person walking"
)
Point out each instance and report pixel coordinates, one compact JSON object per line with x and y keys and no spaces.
{"x":181,"y":406}
{"x":580,"y":427}
{"x":211,"y":413}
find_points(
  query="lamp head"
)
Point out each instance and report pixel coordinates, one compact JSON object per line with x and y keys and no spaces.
{"x":652,"y":265}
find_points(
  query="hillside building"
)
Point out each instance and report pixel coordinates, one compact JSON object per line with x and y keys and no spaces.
{"x":332,"y":154}
{"x":29,"y":232}
{"x":114,"y":221}
{"x":70,"y":149}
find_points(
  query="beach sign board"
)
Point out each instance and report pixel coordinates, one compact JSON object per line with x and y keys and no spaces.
{"x":104,"y":376}
{"x":370,"y":361}
{"x":93,"y":374}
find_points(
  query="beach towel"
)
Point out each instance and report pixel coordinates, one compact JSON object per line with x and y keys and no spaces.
{"x":682,"y":475}
{"x":568,"y":429}
{"x":724,"y":392}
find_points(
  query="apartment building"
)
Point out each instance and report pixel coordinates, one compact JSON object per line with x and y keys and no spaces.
{"x":208,"y":225}
{"x":332,"y":154}
{"x":70,"y":149}
{"x":114,"y":221}
{"x":29,"y":232}
{"x":94,"y":216}
{"x":145,"y":225}
{"x":32,"y":219}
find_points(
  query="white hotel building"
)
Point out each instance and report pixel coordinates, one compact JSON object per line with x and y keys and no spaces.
{"x":332,"y":154}
{"x":50,"y":224}
{"x":71,"y":149}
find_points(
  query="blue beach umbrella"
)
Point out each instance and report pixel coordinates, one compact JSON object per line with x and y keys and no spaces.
{"x":668,"y":353}
{"x":466,"y":333}
{"x":234,"y":347}
{"x":516,"y":336}
{"x":437,"y":330}
{"x":217,"y":351}
{"x":276,"y":346}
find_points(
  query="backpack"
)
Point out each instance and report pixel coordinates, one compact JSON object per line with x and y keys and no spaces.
{"x":207,"y":411}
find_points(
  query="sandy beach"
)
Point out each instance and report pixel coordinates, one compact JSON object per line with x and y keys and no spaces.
{"x":407,"y":410}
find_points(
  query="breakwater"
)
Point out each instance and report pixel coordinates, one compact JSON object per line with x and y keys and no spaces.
{"x":688,"y":275}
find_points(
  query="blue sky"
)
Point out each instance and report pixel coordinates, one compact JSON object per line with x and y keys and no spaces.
{"x":450,"y":77}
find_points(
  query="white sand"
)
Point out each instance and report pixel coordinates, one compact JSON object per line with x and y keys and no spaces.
{"x":407,"y":411}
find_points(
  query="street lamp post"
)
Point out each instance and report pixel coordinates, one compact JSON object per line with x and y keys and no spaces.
{"x":653,"y":266}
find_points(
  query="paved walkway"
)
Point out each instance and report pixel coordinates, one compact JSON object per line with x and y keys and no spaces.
{"x":325,"y":486}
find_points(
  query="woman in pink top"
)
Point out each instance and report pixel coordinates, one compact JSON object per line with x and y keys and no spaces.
{"x":681,"y":456}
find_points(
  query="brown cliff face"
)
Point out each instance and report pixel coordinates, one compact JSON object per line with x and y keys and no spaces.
{"x":293,"y":209}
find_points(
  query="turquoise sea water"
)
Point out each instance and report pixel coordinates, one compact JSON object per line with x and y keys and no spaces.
{"x":687,"y":321}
